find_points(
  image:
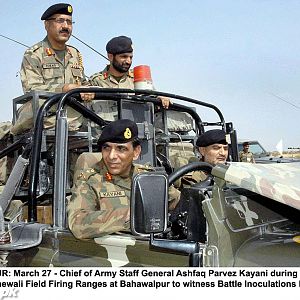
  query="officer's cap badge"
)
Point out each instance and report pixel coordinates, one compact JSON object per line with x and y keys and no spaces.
{"x":127,"y":134}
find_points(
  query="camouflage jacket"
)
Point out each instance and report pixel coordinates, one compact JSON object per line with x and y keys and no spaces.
{"x":99,"y":204}
{"x":108,"y":109}
{"x":106,"y":80}
{"x":246,"y":157}
{"x":192,"y":178}
{"x":42,"y":70}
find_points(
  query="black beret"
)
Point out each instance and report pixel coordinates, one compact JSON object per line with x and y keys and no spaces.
{"x":246,"y":144}
{"x":210,"y":137}
{"x":59,"y":8}
{"x":119,"y":44}
{"x":120,"y":131}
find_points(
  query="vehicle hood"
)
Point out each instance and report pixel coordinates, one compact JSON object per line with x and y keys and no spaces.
{"x":280,"y":182}
{"x":274,"y":159}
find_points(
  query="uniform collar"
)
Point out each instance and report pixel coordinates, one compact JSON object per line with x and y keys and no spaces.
{"x":111,"y":77}
{"x":50,"y":51}
{"x":116,"y":179}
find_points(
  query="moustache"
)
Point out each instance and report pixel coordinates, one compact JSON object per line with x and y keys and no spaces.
{"x":65,"y":31}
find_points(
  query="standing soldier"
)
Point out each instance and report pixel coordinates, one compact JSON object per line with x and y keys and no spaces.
{"x":52,"y":66}
{"x":116,"y":75}
{"x":246,"y":155}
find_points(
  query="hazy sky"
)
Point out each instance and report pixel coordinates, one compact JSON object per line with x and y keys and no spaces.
{"x":242,"y":56}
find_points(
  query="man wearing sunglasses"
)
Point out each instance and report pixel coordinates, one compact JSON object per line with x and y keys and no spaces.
{"x":53,"y":66}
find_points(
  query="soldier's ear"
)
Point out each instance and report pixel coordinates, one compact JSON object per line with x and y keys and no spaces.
{"x":110,"y":57}
{"x":136,"y":152}
{"x":46,"y":23}
{"x":202,"y":150}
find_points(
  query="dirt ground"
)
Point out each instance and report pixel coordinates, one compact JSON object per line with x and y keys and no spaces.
{"x":294,"y":154}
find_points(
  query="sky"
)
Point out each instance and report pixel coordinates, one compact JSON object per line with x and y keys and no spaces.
{"x":243,"y":56}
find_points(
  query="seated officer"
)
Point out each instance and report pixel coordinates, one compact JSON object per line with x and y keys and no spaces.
{"x":213,"y":147}
{"x":100,"y":199}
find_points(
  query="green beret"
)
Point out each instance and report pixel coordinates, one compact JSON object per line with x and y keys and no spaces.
{"x":119,"y":44}
{"x":210,"y":137}
{"x":59,"y":8}
{"x":119,"y":131}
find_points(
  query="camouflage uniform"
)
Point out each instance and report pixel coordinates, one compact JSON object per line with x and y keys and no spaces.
{"x":100,"y":202}
{"x":106,"y":80}
{"x":108,"y":109}
{"x":192,"y":178}
{"x":43,"y":70}
{"x":246,"y":157}
{"x":5,"y":128}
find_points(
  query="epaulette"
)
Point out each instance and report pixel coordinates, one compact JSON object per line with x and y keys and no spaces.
{"x":86,"y":174}
{"x":35,"y":47}
{"x":130,"y":73}
{"x":73,"y":48}
{"x":99,"y":74}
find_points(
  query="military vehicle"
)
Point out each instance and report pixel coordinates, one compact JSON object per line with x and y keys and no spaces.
{"x":241,"y":215}
{"x":261,"y":155}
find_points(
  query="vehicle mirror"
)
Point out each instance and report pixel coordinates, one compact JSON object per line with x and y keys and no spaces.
{"x":149,"y":203}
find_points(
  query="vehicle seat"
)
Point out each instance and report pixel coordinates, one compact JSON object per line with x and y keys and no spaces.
{"x":176,"y":121}
{"x":181,"y":154}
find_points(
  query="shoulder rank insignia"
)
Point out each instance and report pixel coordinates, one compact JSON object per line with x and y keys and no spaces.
{"x":86,"y":174}
{"x":35,"y":47}
{"x":81,"y":176}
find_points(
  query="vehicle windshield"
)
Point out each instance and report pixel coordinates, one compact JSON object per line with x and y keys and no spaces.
{"x":255,"y":148}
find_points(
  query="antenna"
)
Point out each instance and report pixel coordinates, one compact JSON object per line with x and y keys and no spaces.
{"x":14,"y":40}
{"x":89,"y":46}
{"x":290,"y":103}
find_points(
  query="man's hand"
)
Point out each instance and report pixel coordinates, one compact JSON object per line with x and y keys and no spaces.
{"x":84,"y":96}
{"x":88,"y":97}
{"x":165,"y":101}
{"x":69,"y":87}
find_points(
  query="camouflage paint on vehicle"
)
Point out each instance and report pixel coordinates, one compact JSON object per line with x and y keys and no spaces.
{"x":276,"y":181}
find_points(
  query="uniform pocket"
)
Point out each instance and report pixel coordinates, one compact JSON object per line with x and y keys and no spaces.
{"x":52,"y":73}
